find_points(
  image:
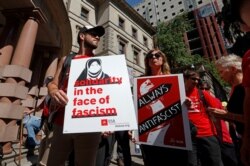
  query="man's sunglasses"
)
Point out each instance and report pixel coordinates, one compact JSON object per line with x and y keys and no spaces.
{"x":151,"y":56}
{"x":93,"y":33}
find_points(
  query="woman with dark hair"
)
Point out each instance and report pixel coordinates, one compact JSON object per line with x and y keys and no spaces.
{"x":156,"y":64}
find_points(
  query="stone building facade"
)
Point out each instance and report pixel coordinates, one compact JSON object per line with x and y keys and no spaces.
{"x":36,"y":33}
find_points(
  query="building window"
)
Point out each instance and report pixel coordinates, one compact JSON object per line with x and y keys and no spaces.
{"x":150,"y":10}
{"x":121,"y":23}
{"x":182,"y":10}
{"x":164,"y":10}
{"x":173,"y":14}
{"x":136,"y":56}
{"x":122,"y":44}
{"x":166,"y":17}
{"x":199,"y":2}
{"x":134,"y":33}
{"x":190,"y":6}
{"x":149,"y":3}
{"x":78,"y":27}
{"x":172,"y":6}
{"x":163,"y":3}
{"x":122,"y":48}
{"x":180,"y":2}
{"x":84,"y":13}
{"x":145,"y":41}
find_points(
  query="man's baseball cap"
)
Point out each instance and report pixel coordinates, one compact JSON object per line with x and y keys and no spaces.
{"x":98,"y":30}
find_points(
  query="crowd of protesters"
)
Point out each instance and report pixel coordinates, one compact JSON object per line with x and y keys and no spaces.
{"x":220,"y":134}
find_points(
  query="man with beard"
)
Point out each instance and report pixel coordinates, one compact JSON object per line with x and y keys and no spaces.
{"x":84,"y":145}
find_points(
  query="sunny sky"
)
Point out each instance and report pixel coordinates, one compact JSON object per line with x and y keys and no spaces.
{"x":133,"y":2}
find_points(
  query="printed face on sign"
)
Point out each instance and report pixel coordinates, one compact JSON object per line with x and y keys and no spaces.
{"x":94,"y":67}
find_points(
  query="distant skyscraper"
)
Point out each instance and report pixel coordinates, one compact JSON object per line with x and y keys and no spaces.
{"x":165,"y":10}
{"x":205,"y":37}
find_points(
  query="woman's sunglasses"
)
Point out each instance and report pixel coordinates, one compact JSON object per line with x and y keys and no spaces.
{"x":151,"y":56}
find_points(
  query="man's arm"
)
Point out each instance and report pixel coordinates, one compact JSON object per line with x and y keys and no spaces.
{"x":57,"y":95}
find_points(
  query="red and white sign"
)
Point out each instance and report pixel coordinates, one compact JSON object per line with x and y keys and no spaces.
{"x":100,"y":97}
{"x":162,"y":116}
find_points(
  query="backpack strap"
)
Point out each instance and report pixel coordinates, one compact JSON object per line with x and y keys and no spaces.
{"x":211,"y":117}
{"x":66,"y":66}
{"x":202,"y":97}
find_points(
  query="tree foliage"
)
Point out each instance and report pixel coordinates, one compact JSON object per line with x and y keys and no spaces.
{"x":170,"y":39}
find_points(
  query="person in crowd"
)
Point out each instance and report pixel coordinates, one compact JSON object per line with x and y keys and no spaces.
{"x":156,"y":64}
{"x":106,"y":147}
{"x":123,"y":148}
{"x":206,"y":148}
{"x":228,"y":152}
{"x":84,"y":145}
{"x":239,"y":15}
{"x":33,"y":125}
{"x":229,"y":68}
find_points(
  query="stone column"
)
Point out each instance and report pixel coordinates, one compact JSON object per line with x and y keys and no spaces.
{"x":13,"y":90}
{"x":8,"y":40}
{"x":25,"y":45}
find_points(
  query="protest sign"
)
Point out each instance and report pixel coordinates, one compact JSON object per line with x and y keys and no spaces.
{"x":100,"y":97}
{"x":162,"y":116}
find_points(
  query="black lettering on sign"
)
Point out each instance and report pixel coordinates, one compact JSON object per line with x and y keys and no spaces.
{"x":153,"y":95}
{"x":159,"y":118}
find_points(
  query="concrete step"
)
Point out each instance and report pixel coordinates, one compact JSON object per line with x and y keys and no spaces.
{"x":19,"y":156}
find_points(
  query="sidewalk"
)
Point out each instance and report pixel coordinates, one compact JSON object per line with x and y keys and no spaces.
{"x":12,"y":159}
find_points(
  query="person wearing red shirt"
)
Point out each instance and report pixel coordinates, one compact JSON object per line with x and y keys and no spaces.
{"x":84,"y":145}
{"x":228,"y":152}
{"x":206,"y":148}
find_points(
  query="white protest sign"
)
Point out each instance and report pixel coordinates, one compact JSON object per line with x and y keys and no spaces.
{"x":100,"y":97}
